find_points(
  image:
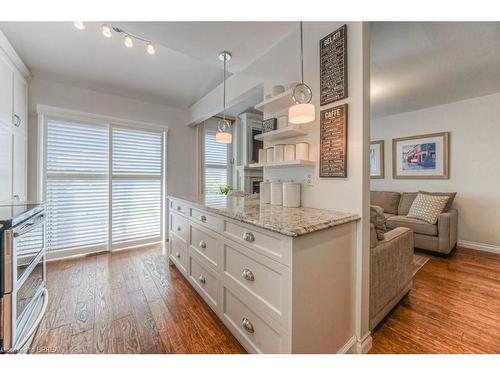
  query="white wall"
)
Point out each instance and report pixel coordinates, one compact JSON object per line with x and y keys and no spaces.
{"x":181,"y":143}
{"x":474,"y":163}
{"x":281,"y":65}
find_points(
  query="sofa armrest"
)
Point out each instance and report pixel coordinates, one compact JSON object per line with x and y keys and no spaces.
{"x":447,"y":230}
{"x":391,"y":268}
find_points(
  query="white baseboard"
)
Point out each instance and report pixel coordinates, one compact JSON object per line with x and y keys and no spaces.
{"x":362,"y":346}
{"x":348,"y":346}
{"x":479,"y":246}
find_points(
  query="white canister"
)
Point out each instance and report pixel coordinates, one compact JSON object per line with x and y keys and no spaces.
{"x":289,"y":152}
{"x":276,"y":193}
{"x":282,"y":122}
{"x":291,"y":194}
{"x":265,"y":192}
{"x":269,"y":154}
{"x":262,"y":156}
{"x":302,"y":151}
{"x":279,"y":152}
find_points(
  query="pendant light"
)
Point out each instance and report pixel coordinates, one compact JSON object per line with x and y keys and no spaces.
{"x":223,"y":134}
{"x":303,"y":111}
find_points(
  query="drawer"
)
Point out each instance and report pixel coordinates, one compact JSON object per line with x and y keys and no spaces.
{"x":205,"y":219}
{"x":179,"y":206}
{"x":179,"y":253}
{"x":264,"y":283}
{"x":179,"y":226}
{"x":254,"y":333}
{"x":205,"y":282}
{"x":267,"y":243}
{"x":206,"y":244}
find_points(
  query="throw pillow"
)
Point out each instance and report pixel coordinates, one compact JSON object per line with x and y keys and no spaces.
{"x":451,"y":197}
{"x":405,"y":202}
{"x":377,"y":218}
{"x":428,"y":207}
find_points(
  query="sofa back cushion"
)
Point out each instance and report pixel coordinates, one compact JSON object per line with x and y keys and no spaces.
{"x":388,"y":200}
{"x":451,"y":197}
{"x":405,"y":202}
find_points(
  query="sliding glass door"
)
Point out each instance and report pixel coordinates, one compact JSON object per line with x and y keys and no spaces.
{"x":103,"y":186}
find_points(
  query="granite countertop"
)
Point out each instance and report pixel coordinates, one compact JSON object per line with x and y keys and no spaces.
{"x":287,"y":221}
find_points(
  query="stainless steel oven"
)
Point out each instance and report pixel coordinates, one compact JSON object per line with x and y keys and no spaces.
{"x":24,"y":296}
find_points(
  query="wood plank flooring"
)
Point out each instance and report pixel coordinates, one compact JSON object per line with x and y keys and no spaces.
{"x":453,"y":307}
{"x":127,"y":302}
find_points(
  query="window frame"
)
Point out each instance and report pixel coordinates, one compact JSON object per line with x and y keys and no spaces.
{"x":48,"y":113}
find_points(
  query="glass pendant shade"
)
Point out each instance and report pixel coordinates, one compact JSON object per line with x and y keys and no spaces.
{"x":301,"y":113}
{"x":221,"y":137}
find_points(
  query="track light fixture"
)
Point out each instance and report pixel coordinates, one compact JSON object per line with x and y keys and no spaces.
{"x":128,"y":39}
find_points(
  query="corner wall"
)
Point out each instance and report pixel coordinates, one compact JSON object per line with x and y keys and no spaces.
{"x":474,"y":125}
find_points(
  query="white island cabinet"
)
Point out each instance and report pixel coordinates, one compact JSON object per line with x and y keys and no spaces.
{"x":281,"y":279}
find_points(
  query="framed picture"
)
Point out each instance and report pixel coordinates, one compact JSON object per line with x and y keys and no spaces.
{"x":377,"y":159}
{"x":421,"y":156}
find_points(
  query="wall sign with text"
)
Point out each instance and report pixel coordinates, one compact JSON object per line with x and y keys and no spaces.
{"x":333,"y":66}
{"x":333,"y":142}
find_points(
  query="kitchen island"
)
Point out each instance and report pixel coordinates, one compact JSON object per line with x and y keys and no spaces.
{"x":281,"y":279}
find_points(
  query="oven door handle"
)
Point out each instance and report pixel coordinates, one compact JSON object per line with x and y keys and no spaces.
{"x":29,"y":226}
{"x":31,"y":332}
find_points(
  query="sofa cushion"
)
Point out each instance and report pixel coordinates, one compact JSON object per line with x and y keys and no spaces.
{"x":418,"y":226}
{"x":377,"y":218}
{"x":427,"y":207}
{"x":451,"y":197}
{"x":387,"y":216}
{"x":405,"y":202}
{"x":373,"y":237}
{"x":388,"y":200}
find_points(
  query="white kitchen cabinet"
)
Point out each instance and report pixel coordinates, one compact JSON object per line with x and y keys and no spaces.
{"x":6,"y":89}
{"x":19,"y":171}
{"x":5,"y":164}
{"x":20,"y":106}
{"x":275,"y":293}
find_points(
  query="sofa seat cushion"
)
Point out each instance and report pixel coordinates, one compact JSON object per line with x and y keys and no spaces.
{"x":387,"y":216}
{"x":388,"y":200}
{"x":418,"y":226}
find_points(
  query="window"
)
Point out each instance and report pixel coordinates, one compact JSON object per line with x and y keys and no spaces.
{"x":103,"y":186}
{"x":77,"y":186}
{"x":137,"y":187}
{"x":216,"y":163}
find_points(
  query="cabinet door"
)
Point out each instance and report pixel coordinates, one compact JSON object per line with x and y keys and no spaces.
{"x":6,"y":90}
{"x":19,"y":171}
{"x":5,"y":164}
{"x":20,"y":116}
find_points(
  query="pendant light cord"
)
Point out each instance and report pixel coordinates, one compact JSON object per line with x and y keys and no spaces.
{"x":224,"y":91}
{"x":301,"y":55}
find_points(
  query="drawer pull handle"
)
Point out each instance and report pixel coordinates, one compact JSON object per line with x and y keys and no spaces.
{"x":247,"y":325}
{"x":202,"y":279}
{"x":249,"y":237}
{"x":248,"y":275}
{"x":178,"y":229}
{"x":17,"y":120}
{"x":203,"y":218}
{"x":178,"y":208}
{"x":203,"y":244}
{"x":178,"y":255}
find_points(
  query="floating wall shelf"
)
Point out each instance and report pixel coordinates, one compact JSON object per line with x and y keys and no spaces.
{"x":283,"y":133}
{"x":285,"y":164}
{"x":276,"y":103}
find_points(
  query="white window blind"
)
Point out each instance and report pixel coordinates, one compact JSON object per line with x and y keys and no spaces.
{"x":77,"y":188}
{"x":103,"y":186}
{"x":216,"y":163}
{"x":137,"y":185}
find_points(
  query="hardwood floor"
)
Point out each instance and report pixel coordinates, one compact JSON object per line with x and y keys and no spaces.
{"x":127,"y":302}
{"x":453,"y":307}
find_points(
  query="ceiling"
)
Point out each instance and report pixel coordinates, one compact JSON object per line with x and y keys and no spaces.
{"x":183,"y":70}
{"x":416,"y":65}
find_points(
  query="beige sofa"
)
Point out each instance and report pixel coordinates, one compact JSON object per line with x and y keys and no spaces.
{"x":440,"y":237}
{"x":391,"y":271}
